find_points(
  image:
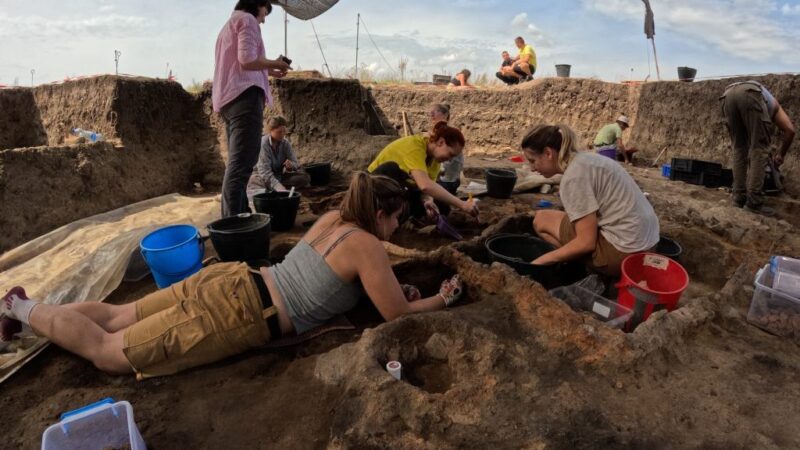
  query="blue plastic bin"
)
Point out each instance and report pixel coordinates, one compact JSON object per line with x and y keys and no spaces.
{"x":666,"y":170}
{"x":173,"y":253}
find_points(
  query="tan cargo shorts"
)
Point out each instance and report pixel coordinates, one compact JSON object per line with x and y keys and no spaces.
{"x":605,"y":258}
{"x":211,"y":315}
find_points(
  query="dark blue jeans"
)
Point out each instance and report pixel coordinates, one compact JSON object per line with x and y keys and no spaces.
{"x":244,"y":118}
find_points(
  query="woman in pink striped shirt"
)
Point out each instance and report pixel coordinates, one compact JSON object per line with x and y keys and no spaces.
{"x":240,"y":90}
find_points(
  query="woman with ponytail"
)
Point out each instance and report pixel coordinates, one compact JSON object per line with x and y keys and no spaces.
{"x":606,"y":215}
{"x":228,"y":308}
{"x":415,"y":163}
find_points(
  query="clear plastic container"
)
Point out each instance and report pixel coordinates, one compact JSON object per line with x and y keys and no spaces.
{"x":784,"y":264}
{"x":604,"y":310}
{"x":101,"y":425}
{"x":772,"y":310}
{"x":787,"y":282}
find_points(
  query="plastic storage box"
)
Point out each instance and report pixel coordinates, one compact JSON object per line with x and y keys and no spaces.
{"x":784,"y":264}
{"x":101,"y":425}
{"x":606,"y":311}
{"x":772,"y":310}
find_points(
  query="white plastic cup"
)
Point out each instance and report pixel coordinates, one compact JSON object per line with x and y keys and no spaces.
{"x":394,"y":368}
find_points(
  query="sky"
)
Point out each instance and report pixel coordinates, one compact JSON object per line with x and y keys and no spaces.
{"x":599,"y":38}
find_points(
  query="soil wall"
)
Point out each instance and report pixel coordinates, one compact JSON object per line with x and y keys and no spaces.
{"x":328,"y":121}
{"x":158,"y":142}
{"x":20,"y":123}
{"x":686,"y":119}
{"x":496,"y":119}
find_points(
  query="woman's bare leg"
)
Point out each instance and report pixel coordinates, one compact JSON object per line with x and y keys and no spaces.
{"x":111,"y":318}
{"x":547,"y":224}
{"x":75,"y":332}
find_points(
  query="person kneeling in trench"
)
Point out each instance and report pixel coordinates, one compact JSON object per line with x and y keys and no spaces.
{"x":607,"y":217}
{"x":415,"y":163}
{"x":277,"y":168}
{"x":227,"y":308}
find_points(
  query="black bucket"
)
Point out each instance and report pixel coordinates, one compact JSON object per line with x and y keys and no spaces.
{"x":518,"y":250}
{"x":669,"y":248}
{"x":320,"y":173}
{"x":500,"y":182}
{"x":686,"y":73}
{"x":562,"y":70}
{"x":241,"y":238}
{"x":281,"y":208}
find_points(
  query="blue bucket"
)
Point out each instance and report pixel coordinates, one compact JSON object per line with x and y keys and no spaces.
{"x":173,"y":253}
{"x":666,"y":170}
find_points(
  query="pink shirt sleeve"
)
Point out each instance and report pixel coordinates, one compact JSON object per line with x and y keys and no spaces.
{"x":248,"y":34}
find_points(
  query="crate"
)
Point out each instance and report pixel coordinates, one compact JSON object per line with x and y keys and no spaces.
{"x":772,"y":310}
{"x":441,"y":79}
{"x":604,"y":310}
{"x":104,"y":424}
{"x":710,"y":181}
{"x":686,"y":177}
{"x":696,"y":166}
{"x":727,"y":177}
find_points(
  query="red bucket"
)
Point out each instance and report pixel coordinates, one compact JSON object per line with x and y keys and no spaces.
{"x":650,"y":283}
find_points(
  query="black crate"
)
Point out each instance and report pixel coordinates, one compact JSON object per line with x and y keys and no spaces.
{"x":682,"y":165}
{"x":696,"y":166}
{"x":727,"y":178}
{"x":711,"y":181}
{"x":687,"y":177}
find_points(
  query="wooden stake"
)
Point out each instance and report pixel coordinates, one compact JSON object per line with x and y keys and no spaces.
{"x":407,"y":130}
{"x":655,"y":163}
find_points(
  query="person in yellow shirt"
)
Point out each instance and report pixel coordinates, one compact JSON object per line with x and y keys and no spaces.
{"x":524,"y":65}
{"x":414,"y":162}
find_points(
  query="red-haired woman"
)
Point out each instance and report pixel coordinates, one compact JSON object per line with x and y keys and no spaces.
{"x":414,"y":161}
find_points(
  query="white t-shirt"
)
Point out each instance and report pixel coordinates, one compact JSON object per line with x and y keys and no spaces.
{"x":594,"y":183}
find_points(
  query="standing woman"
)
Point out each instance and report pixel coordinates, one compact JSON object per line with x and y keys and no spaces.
{"x":240,"y":90}
{"x":450,"y":174}
{"x":606,"y":215}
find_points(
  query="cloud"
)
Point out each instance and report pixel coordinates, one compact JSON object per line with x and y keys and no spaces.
{"x":99,"y":26}
{"x":520,"y":23}
{"x":742,"y":28}
{"x":790,"y":10}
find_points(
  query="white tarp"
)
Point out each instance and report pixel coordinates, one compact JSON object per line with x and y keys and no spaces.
{"x":305,"y":9}
{"x":86,"y":260}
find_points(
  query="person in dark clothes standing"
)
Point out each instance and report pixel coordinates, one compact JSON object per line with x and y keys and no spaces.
{"x":750,"y":111}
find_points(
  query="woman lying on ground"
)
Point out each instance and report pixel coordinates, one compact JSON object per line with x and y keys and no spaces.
{"x":414,"y":161}
{"x":227,"y":308}
{"x":607,"y":217}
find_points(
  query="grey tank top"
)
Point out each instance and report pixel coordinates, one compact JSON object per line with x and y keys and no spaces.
{"x":311,"y":290}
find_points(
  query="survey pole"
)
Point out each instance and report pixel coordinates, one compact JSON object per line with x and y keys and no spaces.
{"x":358,"y":27}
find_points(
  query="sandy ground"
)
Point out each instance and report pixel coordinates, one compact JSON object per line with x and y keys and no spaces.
{"x":509,"y":367}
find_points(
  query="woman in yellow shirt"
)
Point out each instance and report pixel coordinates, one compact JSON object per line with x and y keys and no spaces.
{"x":414,"y":162}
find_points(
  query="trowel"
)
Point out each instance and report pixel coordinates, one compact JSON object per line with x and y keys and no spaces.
{"x":445,"y":228}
